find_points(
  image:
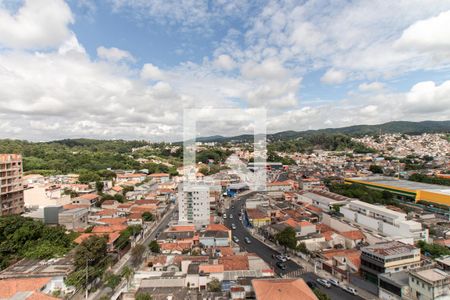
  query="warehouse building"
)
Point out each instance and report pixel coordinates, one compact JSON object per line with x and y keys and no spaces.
{"x":406,"y":190}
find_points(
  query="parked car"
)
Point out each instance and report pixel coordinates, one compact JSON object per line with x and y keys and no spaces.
{"x":235,"y":239}
{"x":281,"y":265}
{"x":324,"y":282}
{"x":232,"y":206}
{"x":311,"y":284}
{"x":274,"y":256}
{"x":287,"y":256}
{"x":351,"y":290}
{"x":281,"y":258}
{"x":233,"y":226}
{"x":224,"y":216}
{"x":231,"y":216}
{"x":333,"y":282}
{"x":247,"y":240}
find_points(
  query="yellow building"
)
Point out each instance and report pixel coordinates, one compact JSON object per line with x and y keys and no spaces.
{"x":407,"y":190}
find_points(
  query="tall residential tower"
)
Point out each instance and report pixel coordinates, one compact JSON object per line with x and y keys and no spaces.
{"x":11,"y":188}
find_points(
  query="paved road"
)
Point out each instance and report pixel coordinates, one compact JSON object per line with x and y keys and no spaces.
{"x":266,"y":252}
{"x":118,"y":267}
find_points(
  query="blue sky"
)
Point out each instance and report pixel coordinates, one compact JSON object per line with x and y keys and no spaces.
{"x":127,"y":69}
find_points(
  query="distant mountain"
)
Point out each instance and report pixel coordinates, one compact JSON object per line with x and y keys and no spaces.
{"x":405,"y":127}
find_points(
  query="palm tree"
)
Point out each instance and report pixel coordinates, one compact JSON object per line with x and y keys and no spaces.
{"x":127,"y":272}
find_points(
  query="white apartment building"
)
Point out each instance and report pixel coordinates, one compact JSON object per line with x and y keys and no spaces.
{"x":194,"y":204}
{"x":385,"y":221}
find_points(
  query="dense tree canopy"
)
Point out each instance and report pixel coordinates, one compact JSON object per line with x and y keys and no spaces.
{"x":287,"y":238}
{"x":24,"y":237}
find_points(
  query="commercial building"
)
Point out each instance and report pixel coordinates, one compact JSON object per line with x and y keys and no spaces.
{"x":406,"y":190}
{"x":385,"y":221}
{"x":394,"y":286}
{"x":429,"y":284}
{"x":388,"y":257}
{"x":323,"y":199}
{"x":11,"y":188}
{"x":193,"y":204}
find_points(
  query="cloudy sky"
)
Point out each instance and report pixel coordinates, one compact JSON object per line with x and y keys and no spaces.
{"x":129,"y":68}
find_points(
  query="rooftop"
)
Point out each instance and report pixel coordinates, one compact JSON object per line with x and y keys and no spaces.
{"x":39,"y":268}
{"x":390,"y":248}
{"x":431,"y":275}
{"x":282,"y":289}
{"x":411,"y":186}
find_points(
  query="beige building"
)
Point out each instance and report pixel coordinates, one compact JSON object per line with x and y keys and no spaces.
{"x":429,"y":284}
{"x":11,"y":188}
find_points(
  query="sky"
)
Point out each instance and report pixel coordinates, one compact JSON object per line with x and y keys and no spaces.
{"x":134,"y":69}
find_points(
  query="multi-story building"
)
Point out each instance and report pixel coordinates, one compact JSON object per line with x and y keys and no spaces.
{"x":387,"y":222}
{"x":429,"y":283}
{"x":193,"y":204}
{"x":388,"y":257}
{"x":11,"y":188}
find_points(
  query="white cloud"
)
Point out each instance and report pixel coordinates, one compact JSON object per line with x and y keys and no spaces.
{"x":224,"y":62}
{"x":429,"y":35}
{"x":371,"y":87}
{"x":151,"y":72}
{"x":333,"y":76}
{"x":114,"y":54}
{"x":427,"y":97}
{"x":37,"y":24}
{"x":268,"y":69}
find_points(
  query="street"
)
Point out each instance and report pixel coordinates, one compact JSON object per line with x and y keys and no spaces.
{"x":266,"y":252}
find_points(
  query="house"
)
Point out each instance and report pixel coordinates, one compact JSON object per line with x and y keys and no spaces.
{"x":89,"y":199}
{"x":160,"y":177}
{"x":258,"y":218}
{"x":282,"y":289}
{"x":353,"y":238}
{"x":277,"y":189}
{"x":25,"y":288}
{"x":110,"y":204}
{"x":112,"y":237}
{"x":215,"y":235}
{"x":130,"y":177}
{"x":340,"y":262}
{"x":301,"y":228}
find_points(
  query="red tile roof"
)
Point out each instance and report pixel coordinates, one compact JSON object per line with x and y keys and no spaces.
{"x":217,"y":227}
{"x":353,"y":235}
{"x":234,"y":262}
{"x":9,"y":287}
{"x":282,"y":289}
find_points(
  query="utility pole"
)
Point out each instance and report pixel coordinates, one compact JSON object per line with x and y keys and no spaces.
{"x":87,"y":277}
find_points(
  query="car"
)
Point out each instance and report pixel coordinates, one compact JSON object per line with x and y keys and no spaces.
{"x":311,"y":284}
{"x":224,"y":216}
{"x":240,"y":218}
{"x":281,"y":265}
{"x":281,"y":258}
{"x":333,"y":282}
{"x":232,"y":206}
{"x":235,"y":239}
{"x":233,"y":226}
{"x":324,"y":282}
{"x":351,"y":290}
{"x":287,"y":256}
{"x":274,"y":256}
{"x":231,"y":216}
{"x":247,"y":240}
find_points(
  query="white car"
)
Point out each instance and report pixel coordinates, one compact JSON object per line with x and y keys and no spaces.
{"x":235,"y":239}
{"x":351,"y":290}
{"x":324,"y":282}
{"x":224,"y":216}
{"x":231,"y":216}
{"x":233,"y":226}
{"x":281,"y":258}
{"x":333,"y":282}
